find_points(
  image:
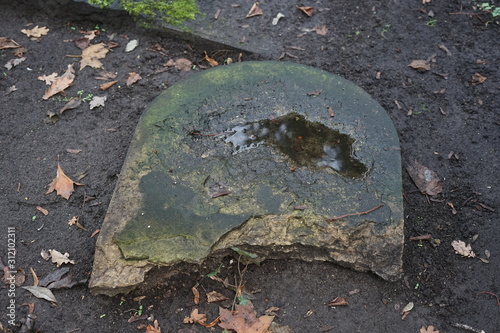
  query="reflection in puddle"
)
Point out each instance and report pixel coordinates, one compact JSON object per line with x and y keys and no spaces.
{"x":306,"y":143}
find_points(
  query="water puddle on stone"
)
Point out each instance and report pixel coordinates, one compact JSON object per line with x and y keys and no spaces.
{"x":307,"y":144}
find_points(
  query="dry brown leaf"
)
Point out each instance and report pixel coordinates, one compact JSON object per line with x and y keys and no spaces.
{"x":244,"y":319}
{"x":214,"y":296}
{"x":7,"y":43}
{"x":309,"y":11}
{"x":63,"y":185}
{"x":478,"y":79}
{"x":58,"y":258}
{"x":92,"y":54}
{"x":430,"y":328}
{"x":72,"y":104}
{"x":43,"y":210}
{"x":195,"y":317}
{"x":420,"y":64}
{"x":196,"y":295}
{"x":426,"y":180}
{"x":82,"y":43}
{"x":337,"y":301}
{"x":212,"y":62}
{"x":153,"y":329}
{"x":73,"y":220}
{"x":35,"y":277}
{"x":60,"y":83}
{"x":463,"y":249}
{"x":49,"y":79}
{"x":35,"y":32}
{"x":181,"y":64}
{"x":107,"y":85}
{"x":321,"y":30}
{"x":103,"y":75}
{"x":133,"y":78}
{"x":97,"y":101}
{"x":255,"y":10}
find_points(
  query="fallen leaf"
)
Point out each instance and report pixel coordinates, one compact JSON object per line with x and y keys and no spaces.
{"x":72,"y":104}
{"x":244,"y":319}
{"x":35,"y":277}
{"x":306,"y":10}
{"x":107,"y":85}
{"x":155,"y":328}
{"x":337,"y":301}
{"x":7,"y":43}
{"x":210,"y":61}
{"x":49,"y":79}
{"x":321,"y":30}
{"x":14,"y":62}
{"x":430,"y":328}
{"x":97,"y":101}
{"x":478,"y":79}
{"x":254,"y":11}
{"x":73,"y":151}
{"x":95,"y":233}
{"x":45,"y":255}
{"x":196,"y":295}
{"x":426,"y":180}
{"x":424,"y":2}
{"x":214,"y":296}
{"x":92,"y":54}
{"x":63,"y":185}
{"x":10,"y":89}
{"x":41,"y":292}
{"x":82,"y":43}
{"x":103,"y":75}
{"x":181,"y":64}
{"x":58,"y":258}
{"x":60,"y":83}
{"x":195,"y":317}
{"x":463,"y":249}
{"x":35,"y":32}
{"x":73,"y":220}
{"x":133,"y":78}
{"x":43,"y":210}
{"x":131,"y":45}
{"x":420,"y":64}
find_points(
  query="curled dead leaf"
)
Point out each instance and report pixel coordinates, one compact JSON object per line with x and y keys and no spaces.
{"x":244,"y":319}
{"x":309,"y":11}
{"x":7,"y":43}
{"x":60,"y":83}
{"x":63,"y":185}
{"x":420,"y":64}
{"x":254,"y":11}
{"x":212,"y":62}
{"x":478,"y":79}
{"x":72,"y":104}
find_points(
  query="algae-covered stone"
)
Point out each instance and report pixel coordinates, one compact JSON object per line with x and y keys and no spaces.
{"x":259,"y":155}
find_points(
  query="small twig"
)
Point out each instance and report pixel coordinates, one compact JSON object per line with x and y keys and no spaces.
{"x":423,"y":237}
{"x":462,"y":13}
{"x":488,"y":293}
{"x":468,"y":328}
{"x":354,"y":214}
{"x":201,"y":134}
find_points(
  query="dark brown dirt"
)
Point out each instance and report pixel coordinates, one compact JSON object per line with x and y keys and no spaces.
{"x":445,"y":120}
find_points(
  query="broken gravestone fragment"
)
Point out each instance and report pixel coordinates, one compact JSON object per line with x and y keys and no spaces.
{"x":283,"y":160}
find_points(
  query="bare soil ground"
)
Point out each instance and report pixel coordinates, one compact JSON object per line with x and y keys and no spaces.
{"x":447,"y":119}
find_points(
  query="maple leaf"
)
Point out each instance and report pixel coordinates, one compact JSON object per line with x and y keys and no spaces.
{"x":62,"y":184}
{"x":60,"y":83}
{"x":244,"y":319}
{"x":92,"y":54}
{"x":35,"y":32}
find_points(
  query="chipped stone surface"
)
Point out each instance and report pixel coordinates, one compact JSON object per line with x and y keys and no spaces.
{"x":262,"y":156}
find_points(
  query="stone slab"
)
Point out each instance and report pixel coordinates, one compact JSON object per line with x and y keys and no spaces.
{"x":262,"y":156}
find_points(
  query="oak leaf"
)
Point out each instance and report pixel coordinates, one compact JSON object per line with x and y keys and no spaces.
{"x":58,"y":258}
{"x":60,"y":83}
{"x":35,"y":32}
{"x":63,"y":185}
{"x":244,"y":319}
{"x":181,"y":64}
{"x":463,"y":249}
{"x":92,"y":54}
{"x":195,"y":317}
{"x":428,"y":329}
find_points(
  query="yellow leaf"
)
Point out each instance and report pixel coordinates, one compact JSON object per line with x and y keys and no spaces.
{"x":60,"y":83}
{"x":62,"y":184}
{"x":92,"y":54}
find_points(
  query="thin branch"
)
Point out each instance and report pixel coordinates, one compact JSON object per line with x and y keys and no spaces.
{"x":354,"y":214}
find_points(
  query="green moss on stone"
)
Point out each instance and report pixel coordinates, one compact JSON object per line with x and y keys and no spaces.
{"x":173,"y":12}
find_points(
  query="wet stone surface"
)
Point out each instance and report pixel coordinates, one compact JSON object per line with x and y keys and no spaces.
{"x":259,"y":155}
